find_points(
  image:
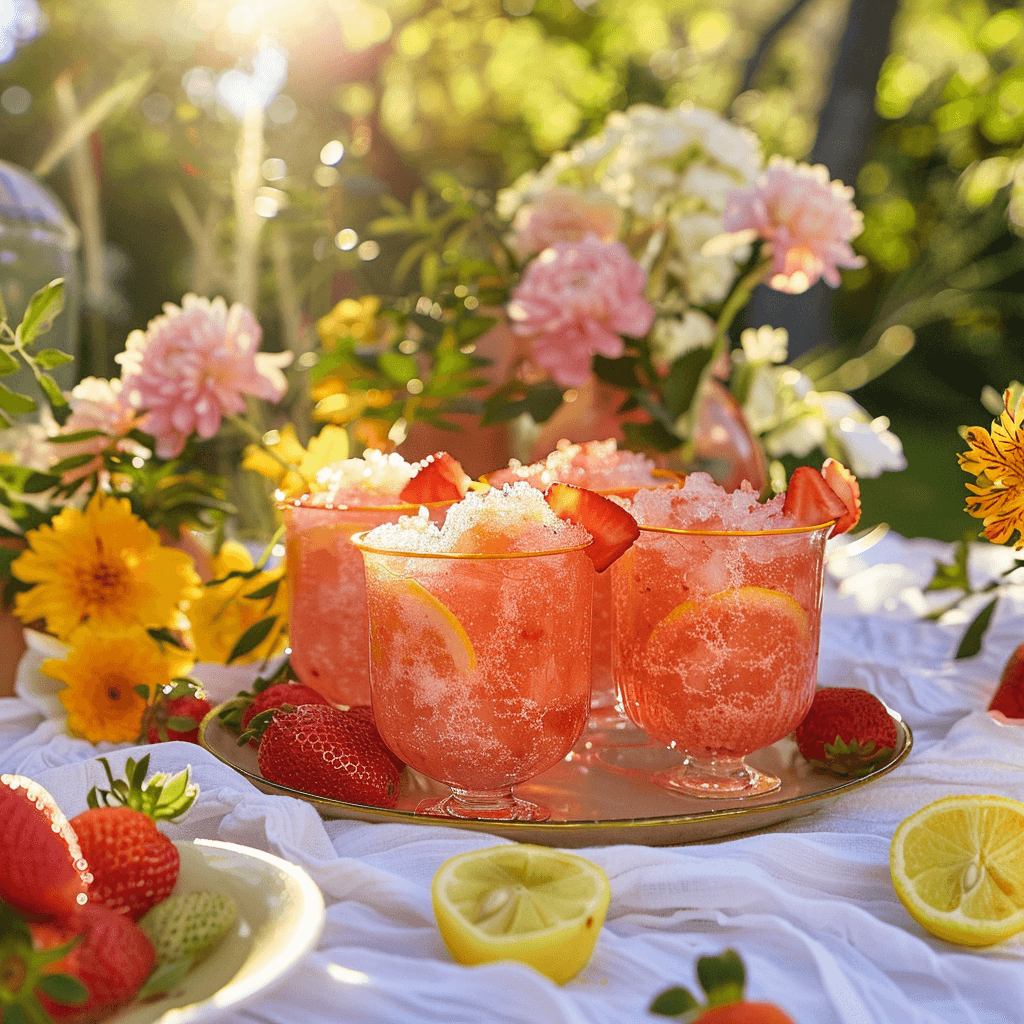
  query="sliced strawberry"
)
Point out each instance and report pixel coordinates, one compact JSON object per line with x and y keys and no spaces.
{"x":844,"y":483}
{"x":611,"y":526}
{"x":42,"y":870}
{"x":810,"y":501}
{"x":437,"y":478}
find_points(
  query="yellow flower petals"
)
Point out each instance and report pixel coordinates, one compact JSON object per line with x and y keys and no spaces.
{"x":996,"y":459}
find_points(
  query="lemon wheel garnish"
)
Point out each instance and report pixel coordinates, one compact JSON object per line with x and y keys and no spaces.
{"x":540,"y":906}
{"x":762,"y":611}
{"x":957,"y":865}
{"x":419,"y":603}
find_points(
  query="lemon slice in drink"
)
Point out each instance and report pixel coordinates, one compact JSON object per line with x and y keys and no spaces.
{"x":540,"y":906}
{"x":958,"y":867}
{"x":418,"y":607}
{"x":747,"y":617}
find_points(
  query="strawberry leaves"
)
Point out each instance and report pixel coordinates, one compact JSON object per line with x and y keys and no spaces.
{"x":160,"y":799}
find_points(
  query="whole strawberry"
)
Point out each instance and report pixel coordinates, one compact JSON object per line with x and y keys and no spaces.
{"x":279,"y":694}
{"x":723,"y":979}
{"x":134,"y":866}
{"x":1009,"y":696}
{"x":179,"y":719}
{"x":112,"y":960}
{"x":847,"y":731}
{"x":42,"y":869}
{"x":322,"y":750}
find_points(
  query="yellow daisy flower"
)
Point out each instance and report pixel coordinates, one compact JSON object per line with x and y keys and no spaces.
{"x":350,"y":318}
{"x":224,"y":613}
{"x":996,"y":458}
{"x":330,"y":445}
{"x":100,"y":674}
{"x":103,"y":566}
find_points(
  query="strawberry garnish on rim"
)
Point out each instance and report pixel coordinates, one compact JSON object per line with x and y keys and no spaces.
{"x":810,"y":501}
{"x":844,"y":483}
{"x":42,"y":869}
{"x":437,"y":478}
{"x":614,"y":530}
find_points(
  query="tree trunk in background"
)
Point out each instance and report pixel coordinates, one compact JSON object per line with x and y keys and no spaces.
{"x":845,"y":129}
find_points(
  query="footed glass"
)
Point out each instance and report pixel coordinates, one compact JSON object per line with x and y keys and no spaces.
{"x":327,"y":594}
{"x":479,"y":668}
{"x":715,"y":647}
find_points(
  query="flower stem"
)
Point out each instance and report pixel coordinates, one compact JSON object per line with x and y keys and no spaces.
{"x":737,"y":299}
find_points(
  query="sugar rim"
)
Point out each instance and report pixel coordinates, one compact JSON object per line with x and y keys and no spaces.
{"x":356,"y":540}
{"x":738,"y":533}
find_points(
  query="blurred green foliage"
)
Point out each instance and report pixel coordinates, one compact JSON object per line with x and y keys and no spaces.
{"x":486,"y":89}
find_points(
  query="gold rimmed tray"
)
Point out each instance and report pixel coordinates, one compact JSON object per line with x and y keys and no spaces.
{"x":601,"y":799}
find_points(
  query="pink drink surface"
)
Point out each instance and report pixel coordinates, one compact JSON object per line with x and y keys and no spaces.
{"x":479,"y":665}
{"x":716,"y":636}
{"x":327,"y":594}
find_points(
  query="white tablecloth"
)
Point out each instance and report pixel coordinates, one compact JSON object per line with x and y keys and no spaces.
{"x":809,"y":905}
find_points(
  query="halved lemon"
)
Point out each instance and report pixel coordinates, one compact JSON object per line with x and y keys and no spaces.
{"x":534,"y":904}
{"x":958,"y":867}
{"x":417,"y":608}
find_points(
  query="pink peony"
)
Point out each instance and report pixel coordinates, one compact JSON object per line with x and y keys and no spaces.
{"x":575,"y":299}
{"x":97,"y":404}
{"x":192,"y":366}
{"x":807,"y":220}
{"x":563,"y":215}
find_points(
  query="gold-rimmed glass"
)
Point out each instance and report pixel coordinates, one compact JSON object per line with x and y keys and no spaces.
{"x":327,"y":593}
{"x":715,"y":646}
{"x":479,"y":668}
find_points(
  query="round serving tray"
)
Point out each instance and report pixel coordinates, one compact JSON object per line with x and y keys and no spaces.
{"x":602,"y":798}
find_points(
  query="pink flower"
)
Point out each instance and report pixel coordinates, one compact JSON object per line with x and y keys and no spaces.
{"x":807,"y":220}
{"x":192,"y":366}
{"x":97,"y":404}
{"x":563,"y":215}
{"x":577,"y":298}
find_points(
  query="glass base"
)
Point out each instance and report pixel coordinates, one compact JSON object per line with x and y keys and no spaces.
{"x":725,"y":777}
{"x":493,"y":806}
{"x":608,"y":726}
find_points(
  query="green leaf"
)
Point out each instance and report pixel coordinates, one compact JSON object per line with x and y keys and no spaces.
{"x":41,"y":311}
{"x":430,"y":270}
{"x":13,"y":402}
{"x":400,"y":369}
{"x":72,"y":462}
{"x":542,"y":400}
{"x":76,"y":436}
{"x":649,"y":437}
{"x":51,"y":358}
{"x":680,"y":385}
{"x":722,"y":977}
{"x":269,"y":590}
{"x":51,"y":390}
{"x":621,"y":372}
{"x":953,"y":576}
{"x":142,"y":690}
{"x":252,"y":638}
{"x":63,"y":988}
{"x":8,"y":364}
{"x":162,"y":635}
{"x":180,"y":723}
{"x":470,"y":328}
{"x":970,"y":644}
{"x":673,"y":1002}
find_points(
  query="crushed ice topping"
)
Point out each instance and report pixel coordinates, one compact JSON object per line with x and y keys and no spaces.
{"x":597,"y":465}
{"x":512,"y":518}
{"x":701,"y":504}
{"x":375,"y":479}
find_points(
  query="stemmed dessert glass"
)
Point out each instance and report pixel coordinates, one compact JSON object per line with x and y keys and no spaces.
{"x":479,"y":668}
{"x":715,"y":646}
{"x":327,"y":624}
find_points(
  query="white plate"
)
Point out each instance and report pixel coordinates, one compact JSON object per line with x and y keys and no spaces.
{"x":280,"y":918}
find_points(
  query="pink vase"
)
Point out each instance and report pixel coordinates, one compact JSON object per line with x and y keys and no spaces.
{"x":724,"y":445}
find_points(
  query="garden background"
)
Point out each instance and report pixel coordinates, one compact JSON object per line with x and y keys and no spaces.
{"x":127,"y":110}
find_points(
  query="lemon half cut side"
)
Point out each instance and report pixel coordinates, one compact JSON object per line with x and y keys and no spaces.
{"x":419,"y":604}
{"x":533,"y":904}
{"x":957,"y":866}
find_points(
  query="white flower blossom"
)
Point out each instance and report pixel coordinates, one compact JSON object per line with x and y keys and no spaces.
{"x":674,"y":336}
{"x":765,"y":344}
